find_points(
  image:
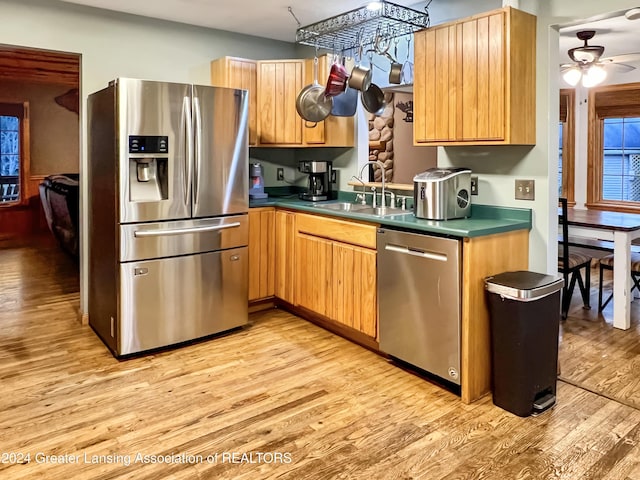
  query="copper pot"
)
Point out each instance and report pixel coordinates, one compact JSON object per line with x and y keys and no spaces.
{"x":360,"y":78}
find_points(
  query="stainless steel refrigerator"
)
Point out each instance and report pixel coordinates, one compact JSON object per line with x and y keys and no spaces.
{"x":168,"y":204}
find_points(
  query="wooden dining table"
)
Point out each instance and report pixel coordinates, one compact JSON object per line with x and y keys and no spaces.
{"x":620,"y":228}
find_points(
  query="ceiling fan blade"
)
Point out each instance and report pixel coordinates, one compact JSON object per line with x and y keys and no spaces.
{"x":619,"y":67}
{"x":623,"y":58}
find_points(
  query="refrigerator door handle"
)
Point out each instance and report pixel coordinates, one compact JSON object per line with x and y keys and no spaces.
{"x":198,"y":144}
{"x":182,"y":231}
{"x":186,"y":109}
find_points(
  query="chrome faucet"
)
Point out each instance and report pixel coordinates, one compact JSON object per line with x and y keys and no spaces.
{"x":360,"y":196}
{"x":381,"y":165}
{"x":392,"y":199}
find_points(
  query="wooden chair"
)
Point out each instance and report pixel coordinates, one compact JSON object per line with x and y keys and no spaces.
{"x":606,"y":263}
{"x":570,"y":264}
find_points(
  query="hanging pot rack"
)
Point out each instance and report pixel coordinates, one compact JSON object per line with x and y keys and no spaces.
{"x":362,"y":28}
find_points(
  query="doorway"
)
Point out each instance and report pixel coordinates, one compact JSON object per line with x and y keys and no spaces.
{"x":40,"y":129}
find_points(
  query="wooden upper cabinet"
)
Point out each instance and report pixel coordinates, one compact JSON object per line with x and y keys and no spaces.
{"x":273,"y":87}
{"x":474,"y":81}
{"x":334,"y":131}
{"x":279,"y":82}
{"x":233,"y":72}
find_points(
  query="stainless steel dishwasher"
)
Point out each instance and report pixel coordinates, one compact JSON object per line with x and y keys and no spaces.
{"x":419,"y":300}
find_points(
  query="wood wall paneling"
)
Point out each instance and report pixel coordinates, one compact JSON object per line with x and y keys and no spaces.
{"x":27,"y":218}
{"x":41,"y":66}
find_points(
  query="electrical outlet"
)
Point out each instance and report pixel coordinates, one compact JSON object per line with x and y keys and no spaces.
{"x":280,"y":174}
{"x":474,"y":185}
{"x":525,"y":190}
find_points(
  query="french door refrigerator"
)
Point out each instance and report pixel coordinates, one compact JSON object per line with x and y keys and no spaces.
{"x":168,"y":203}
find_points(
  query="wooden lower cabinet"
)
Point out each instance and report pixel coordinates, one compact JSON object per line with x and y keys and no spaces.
{"x":355,"y":288}
{"x":328,"y":266}
{"x":285,"y":273}
{"x":261,"y":253}
{"x":336,"y":279}
{"x":314,"y":289}
{"x":482,"y":257}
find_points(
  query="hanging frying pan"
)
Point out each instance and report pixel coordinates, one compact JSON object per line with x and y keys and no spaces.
{"x":312,"y":104}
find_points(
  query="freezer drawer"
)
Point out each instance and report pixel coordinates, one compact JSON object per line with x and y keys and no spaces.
{"x":167,"y":239}
{"x":419,"y":301}
{"x":172,"y":300}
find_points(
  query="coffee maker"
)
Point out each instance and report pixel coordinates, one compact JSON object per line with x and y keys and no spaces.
{"x":320,"y":176}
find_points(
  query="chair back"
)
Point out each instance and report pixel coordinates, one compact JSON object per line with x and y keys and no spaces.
{"x":564,"y":241}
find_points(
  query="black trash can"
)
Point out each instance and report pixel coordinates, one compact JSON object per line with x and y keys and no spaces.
{"x":525,"y":319}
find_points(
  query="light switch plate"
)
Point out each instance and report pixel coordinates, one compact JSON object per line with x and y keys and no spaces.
{"x":474,"y":185}
{"x":525,"y":189}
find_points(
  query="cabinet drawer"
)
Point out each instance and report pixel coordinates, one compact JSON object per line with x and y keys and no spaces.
{"x":343,"y":231}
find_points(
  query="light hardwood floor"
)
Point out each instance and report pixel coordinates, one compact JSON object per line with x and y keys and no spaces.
{"x":300,"y":402}
{"x":596,"y":356}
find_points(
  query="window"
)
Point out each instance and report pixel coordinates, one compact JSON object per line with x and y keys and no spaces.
{"x":14,"y":164}
{"x":621,"y":159}
{"x":566,"y":133}
{"x":614,"y":148}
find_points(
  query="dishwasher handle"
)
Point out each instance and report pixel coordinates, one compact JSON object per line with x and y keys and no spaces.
{"x":416,"y":252}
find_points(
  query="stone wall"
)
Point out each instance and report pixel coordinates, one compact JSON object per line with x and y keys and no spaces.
{"x":381,"y":139}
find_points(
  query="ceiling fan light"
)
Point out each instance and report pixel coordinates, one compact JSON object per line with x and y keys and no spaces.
{"x":632,"y":14}
{"x":572,"y":76}
{"x":593,"y":76}
{"x":583,"y":56}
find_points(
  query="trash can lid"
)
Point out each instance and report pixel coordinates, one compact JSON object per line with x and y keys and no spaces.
{"x":523,"y":285}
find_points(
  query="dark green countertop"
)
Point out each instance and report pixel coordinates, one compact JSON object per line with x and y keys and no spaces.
{"x":484,"y":219}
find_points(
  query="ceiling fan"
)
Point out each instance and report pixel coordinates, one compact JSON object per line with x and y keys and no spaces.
{"x":589,"y":65}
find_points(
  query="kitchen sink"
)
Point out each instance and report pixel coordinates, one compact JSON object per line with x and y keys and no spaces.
{"x":343,"y":206}
{"x":363,"y":209}
{"x":383,"y":211}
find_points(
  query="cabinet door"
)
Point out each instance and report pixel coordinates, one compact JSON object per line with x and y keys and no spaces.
{"x":313,"y":289}
{"x":285,"y":256}
{"x":435,"y":85}
{"x":279,"y":83}
{"x":481,"y":62}
{"x":355,"y":288}
{"x":241,"y":73}
{"x":474,"y":81}
{"x":261,"y":253}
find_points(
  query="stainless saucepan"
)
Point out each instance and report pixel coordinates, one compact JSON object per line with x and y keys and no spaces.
{"x":312,"y":104}
{"x":360,"y":77}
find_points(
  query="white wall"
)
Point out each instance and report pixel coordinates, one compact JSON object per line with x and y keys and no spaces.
{"x":117,"y":45}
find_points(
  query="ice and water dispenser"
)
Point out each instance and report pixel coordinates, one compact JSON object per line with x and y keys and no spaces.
{"x":148,"y":168}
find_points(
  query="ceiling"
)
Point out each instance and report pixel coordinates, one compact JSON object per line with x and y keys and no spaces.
{"x":272,"y":19}
{"x":617,"y":34}
{"x":264,"y":18}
